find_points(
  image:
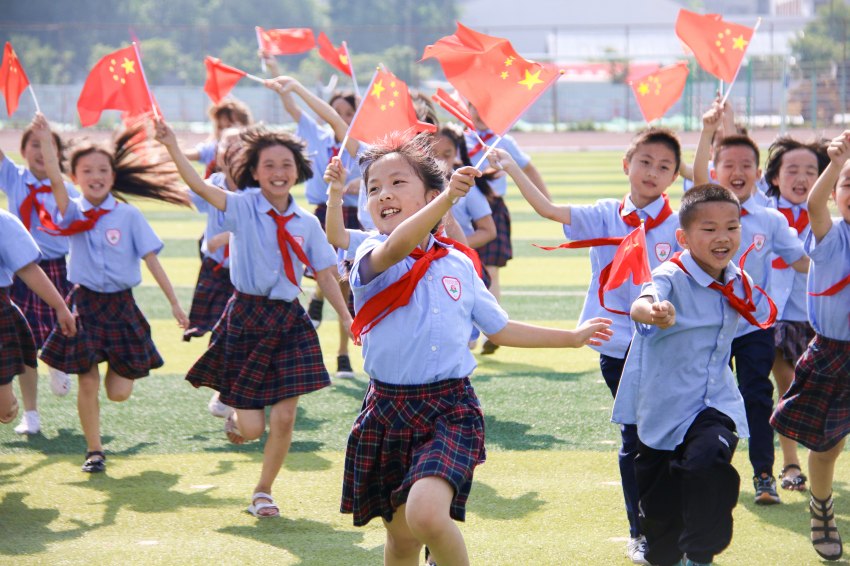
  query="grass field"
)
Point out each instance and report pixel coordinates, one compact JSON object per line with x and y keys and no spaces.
{"x":176,"y":490}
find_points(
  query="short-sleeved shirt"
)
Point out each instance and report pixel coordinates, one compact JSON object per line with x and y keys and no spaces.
{"x":206,"y":151}
{"x":672,"y":375}
{"x":355,"y":238}
{"x":788,"y":286}
{"x":768,"y":230}
{"x":426,"y":340}
{"x":471,"y":208}
{"x":256,"y":263}
{"x":106,"y":258}
{"x":830,"y":315}
{"x":604,"y":220}
{"x":321,"y":147}
{"x":13,"y":181}
{"x":500,"y":185}
{"x":214,"y":219}
{"x":17,"y":247}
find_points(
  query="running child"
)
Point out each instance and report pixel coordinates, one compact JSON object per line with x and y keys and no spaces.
{"x":227,"y":113}
{"x":815,"y":411}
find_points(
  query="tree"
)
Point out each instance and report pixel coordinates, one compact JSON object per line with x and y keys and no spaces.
{"x":42,"y":63}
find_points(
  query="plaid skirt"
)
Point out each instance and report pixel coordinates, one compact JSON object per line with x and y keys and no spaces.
{"x":212,"y":292}
{"x":17,"y":347}
{"x":110,"y":328}
{"x":40,"y":316}
{"x":497,"y":252}
{"x":261,"y":351}
{"x":816,"y":409}
{"x":406,"y":433}
{"x":792,"y":337}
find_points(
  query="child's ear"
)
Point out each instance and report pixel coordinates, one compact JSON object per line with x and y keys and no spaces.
{"x":712,"y":173}
{"x":625,"y":166}
{"x":431,"y":194}
{"x":682,"y":238}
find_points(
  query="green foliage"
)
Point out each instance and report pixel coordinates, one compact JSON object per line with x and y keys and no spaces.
{"x":823,"y":41}
{"x":42,"y":63}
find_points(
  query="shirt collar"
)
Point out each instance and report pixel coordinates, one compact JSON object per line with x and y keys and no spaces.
{"x":653,"y":209}
{"x":750,"y":205}
{"x":108,"y":204}
{"x":701,"y":277}
{"x":781,"y":202}
{"x":30,"y":179}
{"x":264,"y":206}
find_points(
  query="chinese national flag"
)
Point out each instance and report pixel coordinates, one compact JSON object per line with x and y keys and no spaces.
{"x":658,"y":91}
{"x":285,"y":41}
{"x":489,"y":73}
{"x":13,"y":79}
{"x":116,"y":82}
{"x":718,"y":46}
{"x":454,"y":107}
{"x":336,"y":56}
{"x":630,"y":260}
{"x":387,"y":108}
{"x":221,"y":78}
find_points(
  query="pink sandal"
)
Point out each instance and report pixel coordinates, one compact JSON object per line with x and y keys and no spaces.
{"x":263,"y":509}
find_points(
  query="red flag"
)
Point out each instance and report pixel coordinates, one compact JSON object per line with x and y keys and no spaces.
{"x":489,"y":73}
{"x":658,"y":91}
{"x":285,"y":41}
{"x":454,"y":107}
{"x":221,"y":78}
{"x":387,"y":108}
{"x":13,"y":79}
{"x":718,"y":45}
{"x":116,"y":82}
{"x":630,"y":260}
{"x":336,"y":56}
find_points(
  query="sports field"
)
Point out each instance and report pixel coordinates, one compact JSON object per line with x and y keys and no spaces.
{"x":175,"y":490}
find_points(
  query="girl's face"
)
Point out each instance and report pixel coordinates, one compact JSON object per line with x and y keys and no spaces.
{"x":445,"y":150}
{"x":94,"y":175}
{"x":34,"y":158}
{"x":797,"y":175}
{"x":276,"y":172}
{"x":841,"y":194}
{"x":344,"y":109}
{"x":395,"y":192}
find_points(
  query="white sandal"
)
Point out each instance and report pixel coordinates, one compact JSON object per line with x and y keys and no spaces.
{"x":256,"y":509}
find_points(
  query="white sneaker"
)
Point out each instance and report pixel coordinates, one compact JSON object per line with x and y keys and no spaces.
{"x":636,"y":549}
{"x":217,"y":408}
{"x":60,"y":382}
{"x":30,"y":423}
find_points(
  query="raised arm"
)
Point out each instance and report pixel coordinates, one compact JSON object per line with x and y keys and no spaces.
{"x":334,"y":221}
{"x":710,"y":122}
{"x":210,"y":193}
{"x":539,"y":201}
{"x":819,"y":217}
{"x":50,"y":153}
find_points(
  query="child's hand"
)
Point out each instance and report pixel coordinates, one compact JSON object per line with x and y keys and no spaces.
{"x":41,"y":132}
{"x":500,"y":159}
{"x":282,"y":84}
{"x":164,"y":134}
{"x":270,"y":61}
{"x":663,"y":314}
{"x":335,"y":175}
{"x":839,"y":148}
{"x":13,"y":412}
{"x":712,"y":119}
{"x":593,"y":332}
{"x":461,"y":181}
{"x":67,"y":322}
{"x":180,"y":315}
{"x":218,"y":241}
{"x":353,"y":187}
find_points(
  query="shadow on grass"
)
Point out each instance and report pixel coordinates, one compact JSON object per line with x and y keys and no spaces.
{"x":513,"y":435}
{"x":27,"y":530}
{"x":310,"y":541}
{"x":486,"y":502}
{"x":354,"y":388}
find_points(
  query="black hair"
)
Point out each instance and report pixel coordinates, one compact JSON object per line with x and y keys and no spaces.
{"x":663,"y":136}
{"x":777,"y":151}
{"x":701,"y":194}
{"x":257,"y":138}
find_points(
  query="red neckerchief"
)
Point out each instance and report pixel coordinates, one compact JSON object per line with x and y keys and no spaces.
{"x":211,"y":168}
{"x":30,"y":202}
{"x":76,"y":227}
{"x":800,"y":224}
{"x":396,"y":295}
{"x":284,"y":239}
{"x":465,"y":250}
{"x":745,"y":307}
{"x":478,"y":146}
{"x":220,"y":264}
{"x":834,"y":289}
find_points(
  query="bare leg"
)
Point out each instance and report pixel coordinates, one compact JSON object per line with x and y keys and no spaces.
{"x":495,"y":288}
{"x":783,"y":373}
{"x":281,"y":423}
{"x":88,"y":406}
{"x":402,"y":548}
{"x":118,"y":388}
{"x":343,"y":331}
{"x":8,"y":403}
{"x":427,"y":515}
{"x":28,"y":382}
{"x":821,"y":472}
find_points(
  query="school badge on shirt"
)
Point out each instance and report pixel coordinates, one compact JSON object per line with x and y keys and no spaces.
{"x":758,"y":240}
{"x":299,"y":240}
{"x":452,"y":285}
{"x":113,"y":236}
{"x":662,"y":250}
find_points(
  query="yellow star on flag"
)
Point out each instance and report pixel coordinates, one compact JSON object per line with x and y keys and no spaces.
{"x":343,"y":59}
{"x":531,"y":79}
{"x":395,"y":93}
{"x":504,"y":75}
{"x":129,"y":66}
{"x":377,"y":89}
{"x":383,"y":107}
{"x":509,"y":61}
{"x":739,"y":43}
{"x":643,"y":89}
{"x":392,"y":103}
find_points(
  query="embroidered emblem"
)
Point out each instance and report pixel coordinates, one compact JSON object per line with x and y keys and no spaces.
{"x":299,"y":240}
{"x":662,"y":250}
{"x":113,"y":236}
{"x":758,"y":240}
{"x":452,"y":285}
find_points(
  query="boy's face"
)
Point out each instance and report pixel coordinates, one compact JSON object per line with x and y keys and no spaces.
{"x":713,"y":236}
{"x":736,"y":169}
{"x":651,"y":169}
{"x":841,"y":193}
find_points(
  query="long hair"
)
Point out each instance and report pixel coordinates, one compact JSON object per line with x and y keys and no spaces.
{"x":140,"y":170}
{"x":257,"y":138}
{"x":455,"y":135}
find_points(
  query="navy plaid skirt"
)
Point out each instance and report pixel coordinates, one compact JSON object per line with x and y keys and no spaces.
{"x":40,"y":316}
{"x":406,"y":433}
{"x":110,"y":328}
{"x":261,"y":351}
{"x":17,"y":347}
{"x":816,"y":409}
{"x":498,"y":251}
{"x":792,"y":337}
{"x":212,"y":292}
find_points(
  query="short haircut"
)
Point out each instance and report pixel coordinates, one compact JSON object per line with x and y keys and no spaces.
{"x":234,"y":110}
{"x":701,"y":194}
{"x":777,"y":151}
{"x":257,"y":138}
{"x":416,"y":151}
{"x":663,"y":136}
{"x":736,"y":140}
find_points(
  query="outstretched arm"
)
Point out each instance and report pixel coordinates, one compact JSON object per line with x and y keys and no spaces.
{"x":49,"y":151}
{"x":165,"y":284}
{"x":537,"y":198}
{"x":521,"y":335}
{"x":819,"y":218}
{"x":645,"y":311}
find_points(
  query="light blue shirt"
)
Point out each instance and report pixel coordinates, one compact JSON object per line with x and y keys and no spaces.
{"x":426,"y":340}
{"x":321,"y":145}
{"x":106,"y":258}
{"x":500,"y":185}
{"x":830,"y":316}
{"x":604,"y":220}
{"x":17,"y":247}
{"x":13,"y":181}
{"x":256,"y":263}
{"x":214,"y":220}
{"x":363,"y":208}
{"x":206,"y":151}
{"x":355,"y":238}
{"x":673,"y":375}
{"x":787,"y":286}
{"x":769,"y":231}
{"x":471,"y":208}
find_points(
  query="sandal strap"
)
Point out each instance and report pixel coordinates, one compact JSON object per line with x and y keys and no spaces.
{"x":260,"y":495}
{"x":791,"y":467}
{"x":95,"y":453}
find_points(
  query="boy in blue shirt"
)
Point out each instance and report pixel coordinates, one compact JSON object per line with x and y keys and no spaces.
{"x":678,"y":389}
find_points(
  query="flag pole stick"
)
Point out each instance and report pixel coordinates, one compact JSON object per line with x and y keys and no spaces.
{"x":255,"y":78}
{"x":144,"y":78}
{"x":351,"y":68}
{"x":729,"y":88}
{"x":34,"y":99}
{"x":260,"y":47}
